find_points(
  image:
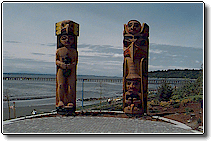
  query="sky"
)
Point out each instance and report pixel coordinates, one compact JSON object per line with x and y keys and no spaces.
{"x":29,"y":41}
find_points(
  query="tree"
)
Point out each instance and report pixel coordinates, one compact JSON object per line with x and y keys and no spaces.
{"x":164,"y":92}
{"x":192,"y":90}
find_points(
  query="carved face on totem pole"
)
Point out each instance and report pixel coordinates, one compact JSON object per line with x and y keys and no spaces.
{"x":67,"y":40}
{"x":132,"y":98}
{"x":134,"y":27}
{"x":135,"y":40}
{"x":133,"y":85}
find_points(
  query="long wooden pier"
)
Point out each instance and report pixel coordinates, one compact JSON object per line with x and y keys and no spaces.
{"x":115,"y":80}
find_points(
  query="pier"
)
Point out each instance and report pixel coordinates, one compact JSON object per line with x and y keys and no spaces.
{"x":27,"y":78}
{"x":114,"y":80}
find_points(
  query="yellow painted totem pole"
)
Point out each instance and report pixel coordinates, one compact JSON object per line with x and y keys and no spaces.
{"x":135,"y":67}
{"x":66,"y":61}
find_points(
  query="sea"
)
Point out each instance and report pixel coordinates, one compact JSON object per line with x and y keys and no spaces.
{"x":42,"y":92}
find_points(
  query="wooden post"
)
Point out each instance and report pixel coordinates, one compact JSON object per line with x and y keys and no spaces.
{"x":8,"y":102}
{"x":14,"y":113}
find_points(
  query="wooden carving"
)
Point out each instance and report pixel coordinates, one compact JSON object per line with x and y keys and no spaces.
{"x":66,"y":61}
{"x":135,"y":67}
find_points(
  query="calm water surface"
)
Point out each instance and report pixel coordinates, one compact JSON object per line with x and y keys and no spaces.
{"x":34,"y":93}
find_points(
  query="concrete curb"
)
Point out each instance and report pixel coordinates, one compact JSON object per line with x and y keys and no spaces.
{"x":52,"y":113}
{"x":179,"y":124}
{"x":27,"y":117}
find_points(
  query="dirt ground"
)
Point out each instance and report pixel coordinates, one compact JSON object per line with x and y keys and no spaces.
{"x":190,"y":114}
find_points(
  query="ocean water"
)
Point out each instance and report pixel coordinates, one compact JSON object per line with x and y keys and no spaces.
{"x":37,"y":92}
{"x":34,"y":93}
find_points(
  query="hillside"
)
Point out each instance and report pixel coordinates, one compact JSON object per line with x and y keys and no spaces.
{"x":177,"y":73}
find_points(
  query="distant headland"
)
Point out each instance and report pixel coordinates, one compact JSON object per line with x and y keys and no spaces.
{"x":170,"y":73}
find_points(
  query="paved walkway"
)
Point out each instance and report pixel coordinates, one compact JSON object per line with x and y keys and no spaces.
{"x":90,"y":124}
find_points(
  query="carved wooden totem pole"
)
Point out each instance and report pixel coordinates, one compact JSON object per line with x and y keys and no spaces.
{"x":135,"y":68}
{"x":66,"y":61}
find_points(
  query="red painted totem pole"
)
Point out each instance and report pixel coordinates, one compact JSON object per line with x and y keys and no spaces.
{"x":135,"y":68}
{"x":66,"y":61}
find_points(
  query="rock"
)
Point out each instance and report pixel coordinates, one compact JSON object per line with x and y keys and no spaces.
{"x":155,"y":117}
{"x":192,"y":115}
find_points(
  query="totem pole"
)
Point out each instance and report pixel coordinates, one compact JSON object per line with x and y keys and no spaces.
{"x":135,"y":67}
{"x":66,"y":61}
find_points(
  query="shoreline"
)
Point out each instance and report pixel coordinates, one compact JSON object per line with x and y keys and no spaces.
{"x":26,"y":111}
{"x":22,"y":111}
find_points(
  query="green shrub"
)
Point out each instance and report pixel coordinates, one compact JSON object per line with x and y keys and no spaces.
{"x":196,"y":98}
{"x":154,"y":102}
{"x":176,"y":97}
{"x":176,"y":105}
{"x":164,"y":104}
{"x":164,"y":92}
{"x":188,"y":110}
{"x":185,"y":102}
{"x":199,"y":121}
{"x":154,"y":111}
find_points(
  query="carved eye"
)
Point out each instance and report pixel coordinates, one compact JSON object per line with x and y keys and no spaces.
{"x":130,"y":24}
{"x":64,"y":37}
{"x":136,"y":25}
{"x":128,"y":37}
{"x":71,"y":38}
{"x":126,"y":43}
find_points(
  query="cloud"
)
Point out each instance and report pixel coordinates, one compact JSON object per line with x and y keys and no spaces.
{"x":39,"y":54}
{"x":155,"y":67}
{"x":11,"y":41}
{"x":156,"y":51}
{"x":100,"y":60}
{"x":106,"y":60}
{"x":118,"y":55}
{"x":46,"y":44}
{"x":18,"y":65}
{"x":99,"y":51}
{"x":52,"y":44}
{"x":51,"y":55}
{"x":175,"y":57}
{"x":41,"y":44}
{"x":197,"y":61}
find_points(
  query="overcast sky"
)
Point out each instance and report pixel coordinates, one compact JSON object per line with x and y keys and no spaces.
{"x":29,"y":41}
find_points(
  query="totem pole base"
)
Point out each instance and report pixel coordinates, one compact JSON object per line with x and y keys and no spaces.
{"x":133,"y":110}
{"x":65,"y":111}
